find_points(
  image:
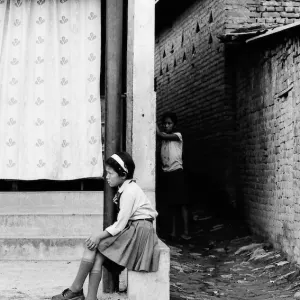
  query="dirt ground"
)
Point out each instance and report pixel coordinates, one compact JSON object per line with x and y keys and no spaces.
{"x":221,"y":261}
{"x":213,"y":265}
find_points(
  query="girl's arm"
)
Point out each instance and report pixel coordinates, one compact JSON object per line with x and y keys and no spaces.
{"x":167,"y":136}
{"x":93,"y":241}
{"x":127,"y":201}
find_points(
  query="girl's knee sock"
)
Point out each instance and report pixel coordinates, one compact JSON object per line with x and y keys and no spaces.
{"x":94,"y":280}
{"x":83,"y":271}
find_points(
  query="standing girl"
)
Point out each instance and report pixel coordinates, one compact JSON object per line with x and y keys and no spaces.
{"x":129,"y":242}
{"x":171,"y":183}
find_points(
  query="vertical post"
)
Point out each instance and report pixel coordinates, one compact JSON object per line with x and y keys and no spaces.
{"x":141,"y":101}
{"x":113,"y":90}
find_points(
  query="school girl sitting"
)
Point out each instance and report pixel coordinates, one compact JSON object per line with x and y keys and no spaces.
{"x":129,"y":242}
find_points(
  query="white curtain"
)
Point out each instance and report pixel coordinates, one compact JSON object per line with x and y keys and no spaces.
{"x":50,"y":118}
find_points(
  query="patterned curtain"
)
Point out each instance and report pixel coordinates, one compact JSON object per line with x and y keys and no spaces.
{"x":50,"y":118}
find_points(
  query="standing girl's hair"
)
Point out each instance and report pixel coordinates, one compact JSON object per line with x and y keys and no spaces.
{"x":122,"y":163}
{"x":170,"y":115}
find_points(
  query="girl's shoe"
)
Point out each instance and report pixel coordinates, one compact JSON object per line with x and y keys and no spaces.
{"x":67,"y":294}
{"x":185,"y":237}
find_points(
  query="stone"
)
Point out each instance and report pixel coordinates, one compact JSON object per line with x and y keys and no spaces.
{"x":297,"y":295}
{"x":152,"y":285}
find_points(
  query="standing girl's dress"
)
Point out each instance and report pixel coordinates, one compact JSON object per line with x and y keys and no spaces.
{"x":172,"y":175}
{"x":133,"y":237}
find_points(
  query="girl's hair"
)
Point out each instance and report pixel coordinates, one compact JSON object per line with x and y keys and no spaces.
{"x":170,"y":115}
{"x":128,"y":162}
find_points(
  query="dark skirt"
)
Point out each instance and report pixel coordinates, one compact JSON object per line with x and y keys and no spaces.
{"x":172,"y":190}
{"x":133,"y":248}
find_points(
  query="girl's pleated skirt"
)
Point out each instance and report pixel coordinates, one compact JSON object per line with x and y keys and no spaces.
{"x":133,"y":248}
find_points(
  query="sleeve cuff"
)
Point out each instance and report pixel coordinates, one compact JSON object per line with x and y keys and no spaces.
{"x":112,"y":230}
{"x":179,"y":135}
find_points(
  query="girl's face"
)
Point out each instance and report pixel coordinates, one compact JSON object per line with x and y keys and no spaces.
{"x":113,"y":178}
{"x":168,"y":125}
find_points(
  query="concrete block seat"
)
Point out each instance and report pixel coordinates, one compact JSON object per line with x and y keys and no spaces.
{"x":152,"y":285}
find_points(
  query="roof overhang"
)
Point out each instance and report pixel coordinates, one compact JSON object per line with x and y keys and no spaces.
{"x":273,"y":31}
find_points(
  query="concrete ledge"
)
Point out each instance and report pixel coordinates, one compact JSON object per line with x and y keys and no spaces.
{"x":153,"y":285}
{"x":43,"y":225}
{"x":43,"y":202}
{"x":50,"y":248}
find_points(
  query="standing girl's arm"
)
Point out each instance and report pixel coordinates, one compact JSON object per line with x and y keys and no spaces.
{"x":167,"y":136}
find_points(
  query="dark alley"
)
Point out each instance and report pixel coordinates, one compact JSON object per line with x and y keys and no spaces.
{"x":223,"y":261}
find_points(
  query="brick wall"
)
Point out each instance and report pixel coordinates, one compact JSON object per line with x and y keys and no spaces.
{"x":242,"y":13}
{"x":195,"y":78}
{"x":190,"y":80}
{"x":268,"y":118}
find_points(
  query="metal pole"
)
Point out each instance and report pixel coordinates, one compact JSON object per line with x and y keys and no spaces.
{"x":113,"y":131}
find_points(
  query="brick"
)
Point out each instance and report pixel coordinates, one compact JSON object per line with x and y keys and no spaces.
{"x":270,"y":3}
{"x":269,"y":20}
{"x":252,"y":8}
{"x":280,"y":21}
{"x":260,"y":20}
{"x":289,"y":9}
{"x":288,"y":3}
{"x":289,"y":21}
{"x":270,"y":15}
{"x":289,"y":15}
{"x":261,"y":8}
{"x":270,"y":8}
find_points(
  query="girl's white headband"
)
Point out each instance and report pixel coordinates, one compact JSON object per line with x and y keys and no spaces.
{"x":119,"y":160}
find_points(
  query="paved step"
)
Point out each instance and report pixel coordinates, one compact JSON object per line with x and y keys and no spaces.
{"x":14,"y":202}
{"x":39,"y":248}
{"x":37,"y":280}
{"x":47,"y":225}
{"x":43,"y":224}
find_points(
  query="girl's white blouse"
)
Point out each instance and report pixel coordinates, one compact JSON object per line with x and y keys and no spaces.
{"x":134,"y":205}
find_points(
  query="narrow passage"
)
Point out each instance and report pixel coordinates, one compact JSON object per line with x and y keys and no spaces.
{"x":222,"y":261}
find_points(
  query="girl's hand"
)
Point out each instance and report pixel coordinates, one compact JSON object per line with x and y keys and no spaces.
{"x":92,"y":242}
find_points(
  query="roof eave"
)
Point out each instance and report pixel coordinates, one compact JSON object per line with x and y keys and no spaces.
{"x":274,"y":31}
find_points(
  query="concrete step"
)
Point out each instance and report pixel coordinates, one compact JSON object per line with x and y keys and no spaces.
{"x":36,"y":201}
{"x":45,"y":224}
{"x":41,"y":248}
{"x":37,"y":280}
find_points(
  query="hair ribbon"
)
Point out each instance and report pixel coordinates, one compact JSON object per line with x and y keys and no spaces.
{"x":119,"y":160}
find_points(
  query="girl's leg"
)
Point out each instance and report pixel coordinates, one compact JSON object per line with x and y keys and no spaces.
{"x":85,"y":267}
{"x":173,"y":232}
{"x":185,"y":216}
{"x":95,"y":277}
